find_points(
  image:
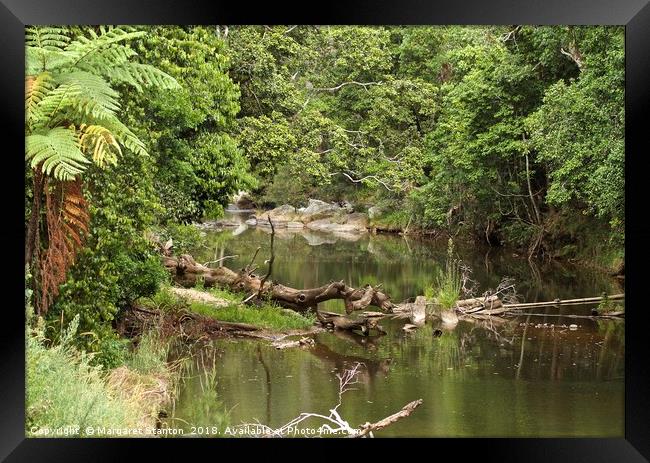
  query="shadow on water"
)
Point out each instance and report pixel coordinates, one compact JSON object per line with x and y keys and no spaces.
{"x":530,"y":375}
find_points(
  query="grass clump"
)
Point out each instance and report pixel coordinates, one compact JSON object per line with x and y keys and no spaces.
{"x":606,"y":305}
{"x":225,"y":294}
{"x":267,"y":316}
{"x":150,"y":356}
{"x":448,"y":283}
{"x":65,"y":390}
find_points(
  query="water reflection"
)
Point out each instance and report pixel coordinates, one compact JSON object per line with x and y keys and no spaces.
{"x":525,"y":376}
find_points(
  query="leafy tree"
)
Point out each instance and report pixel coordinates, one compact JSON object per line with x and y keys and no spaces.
{"x":579,"y":129}
{"x":199,"y":164}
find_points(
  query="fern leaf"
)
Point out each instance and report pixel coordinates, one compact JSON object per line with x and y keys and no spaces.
{"x":101,"y":143}
{"x":105,"y":60}
{"x":122,"y":134}
{"x":57,"y":152}
{"x":141,"y":75}
{"x":48,"y":38}
{"x":83,"y":47}
{"x":56,"y":100}
{"x":36,"y":89}
{"x":95,"y":95}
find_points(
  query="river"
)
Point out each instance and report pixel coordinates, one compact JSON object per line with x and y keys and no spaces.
{"x":518,"y":377}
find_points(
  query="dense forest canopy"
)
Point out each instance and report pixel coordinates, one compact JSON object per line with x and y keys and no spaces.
{"x":511,"y":135}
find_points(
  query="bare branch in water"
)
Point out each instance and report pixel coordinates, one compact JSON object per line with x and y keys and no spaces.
{"x":334,"y":424}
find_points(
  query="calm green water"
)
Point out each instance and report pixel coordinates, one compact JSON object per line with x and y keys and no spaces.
{"x":513,"y":378}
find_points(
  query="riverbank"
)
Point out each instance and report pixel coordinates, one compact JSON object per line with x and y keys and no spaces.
{"x":343,"y":220}
{"x":196,"y":314}
{"x":70,"y":397}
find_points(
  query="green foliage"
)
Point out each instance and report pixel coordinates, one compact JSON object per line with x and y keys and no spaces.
{"x":267,"y":316}
{"x":447,"y":287}
{"x":199,"y":164}
{"x":477,"y":129}
{"x":118,"y":264}
{"x":579,"y":130}
{"x":63,"y":389}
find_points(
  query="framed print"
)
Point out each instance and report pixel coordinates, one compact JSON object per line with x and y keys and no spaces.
{"x":370,"y":222}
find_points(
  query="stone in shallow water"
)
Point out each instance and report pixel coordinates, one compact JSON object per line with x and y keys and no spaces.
{"x":318,"y":209}
{"x":358,"y":219}
{"x":326,"y":225}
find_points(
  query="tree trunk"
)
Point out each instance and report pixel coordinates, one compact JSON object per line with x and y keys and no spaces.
{"x":32,"y":227}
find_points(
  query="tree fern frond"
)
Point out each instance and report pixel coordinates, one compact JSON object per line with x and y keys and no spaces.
{"x":57,"y":152}
{"x":122,"y":134}
{"x":141,"y":75}
{"x":48,"y":38}
{"x":101,"y":143}
{"x":85,"y":93}
{"x":84,"y":47}
{"x":36,"y":89}
{"x":58,"y":99}
{"x":103,"y":61}
{"x":96,"y":96}
{"x":67,"y":218}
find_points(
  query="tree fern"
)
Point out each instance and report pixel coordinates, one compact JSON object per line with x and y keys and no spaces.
{"x":71,"y":121}
{"x":72,"y":88}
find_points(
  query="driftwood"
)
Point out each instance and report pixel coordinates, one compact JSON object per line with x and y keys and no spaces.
{"x":332,"y":424}
{"x":336,"y":321}
{"x":479,"y":303}
{"x":584,"y":300}
{"x":367,"y":428}
{"x":187,"y":273}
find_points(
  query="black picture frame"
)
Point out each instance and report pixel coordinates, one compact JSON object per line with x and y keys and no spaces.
{"x":634,"y":14}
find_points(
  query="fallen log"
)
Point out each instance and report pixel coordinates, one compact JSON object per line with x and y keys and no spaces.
{"x":478,"y":303}
{"x":302,"y":342}
{"x":340,"y":322}
{"x":188,"y":325}
{"x":494,"y":306}
{"x":187,"y":272}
